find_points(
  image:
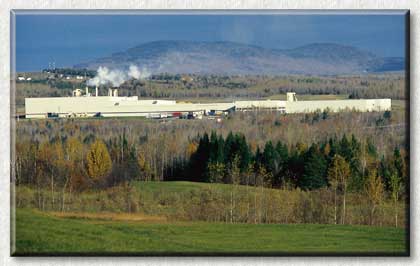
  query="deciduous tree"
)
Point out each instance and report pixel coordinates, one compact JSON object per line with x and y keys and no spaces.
{"x":374,"y":191}
{"x":395,"y":184}
{"x":99,"y":163}
{"x":338,"y":174}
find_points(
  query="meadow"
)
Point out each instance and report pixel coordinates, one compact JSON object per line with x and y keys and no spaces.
{"x":41,"y":233}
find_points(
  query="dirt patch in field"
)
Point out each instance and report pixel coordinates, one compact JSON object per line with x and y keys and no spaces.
{"x":106,"y":216}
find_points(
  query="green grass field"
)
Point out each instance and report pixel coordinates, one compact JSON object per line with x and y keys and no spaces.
{"x":44,"y":233}
{"x":182,"y":186}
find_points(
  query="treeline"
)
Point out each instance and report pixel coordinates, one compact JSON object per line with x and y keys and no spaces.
{"x":226,"y":87}
{"x":61,"y":167}
{"x":229,"y":87}
{"x":301,"y":166}
{"x":94,"y":163}
{"x":72,"y":71}
{"x":166,"y":149}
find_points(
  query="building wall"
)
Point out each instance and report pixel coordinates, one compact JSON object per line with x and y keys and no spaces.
{"x":259,"y":104}
{"x":130,"y":106}
{"x":111,"y":106}
{"x":339,"y":105}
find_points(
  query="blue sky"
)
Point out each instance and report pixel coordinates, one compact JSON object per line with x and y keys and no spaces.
{"x":71,"y":39}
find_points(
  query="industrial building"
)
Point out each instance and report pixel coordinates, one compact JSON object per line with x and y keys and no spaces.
{"x":292,"y":105}
{"x":86,"y":105}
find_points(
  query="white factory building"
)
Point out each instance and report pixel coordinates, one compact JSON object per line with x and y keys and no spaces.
{"x":292,"y":105}
{"x":86,"y":105}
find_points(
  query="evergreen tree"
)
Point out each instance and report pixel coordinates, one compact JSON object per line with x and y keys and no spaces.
{"x":385,"y":171}
{"x":199,"y":160}
{"x":398,"y":163}
{"x":371,"y":149}
{"x":258,"y":158}
{"x":244,"y":153}
{"x":333,"y":147}
{"x":229,"y":148}
{"x":269,"y":157}
{"x":353,"y":158}
{"x":315,"y":168}
{"x":295,"y":168}
{"x":344,"y":148}
{"x":282,"y":159}
{"x":213,"y":147}
{"x":220,"y":157}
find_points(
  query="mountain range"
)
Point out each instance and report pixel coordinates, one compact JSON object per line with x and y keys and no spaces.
{"x":182,"y":57}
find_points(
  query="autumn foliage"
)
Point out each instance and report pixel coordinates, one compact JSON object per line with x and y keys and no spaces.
{"x":99,"y":162}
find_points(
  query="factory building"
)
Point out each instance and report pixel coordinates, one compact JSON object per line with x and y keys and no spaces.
{"x":292,"y":105}
{"x":112,"y":105}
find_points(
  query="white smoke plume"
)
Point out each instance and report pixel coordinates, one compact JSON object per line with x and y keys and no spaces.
{"x":133,"y":71}
{"x":116,"y":77}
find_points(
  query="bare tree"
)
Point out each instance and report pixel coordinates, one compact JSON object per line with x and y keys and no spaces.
{"x":374,"y":191}
{"x":234,"y":174}
{"x":339,"y":174}
{"x":396,"y":184}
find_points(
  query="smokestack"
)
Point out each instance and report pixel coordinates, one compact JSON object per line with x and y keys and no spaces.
{"x":87,"y":91}
{"x":96,"y":91}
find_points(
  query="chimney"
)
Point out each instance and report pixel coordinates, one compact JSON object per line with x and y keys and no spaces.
{"x":96,"y":90}
{"x":87,"y":91}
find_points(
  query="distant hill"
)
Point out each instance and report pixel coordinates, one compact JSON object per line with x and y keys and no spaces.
{"x":234,"y":58}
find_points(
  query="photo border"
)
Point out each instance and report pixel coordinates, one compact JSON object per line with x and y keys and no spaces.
{"x":151,"y":12}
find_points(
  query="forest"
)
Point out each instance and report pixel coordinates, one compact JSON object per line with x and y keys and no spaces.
{"x":301,"y":168}
{"x":253,"y":167}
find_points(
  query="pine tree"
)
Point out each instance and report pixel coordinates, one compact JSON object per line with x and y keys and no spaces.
{"x":220,"y":150}
{"x":228,"y":148}
{"x":213,"y":147}
{"x":282,"y":158}
{"x":315,"y":169}
{"x":398,"y":163}
{"x":385,"y":169}
{"x":295,"y":168}
{"x":269,"y":157}
{"x":244,"y":153}
{"x":199,"y":160}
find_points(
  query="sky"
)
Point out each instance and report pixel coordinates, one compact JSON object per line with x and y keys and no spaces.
{"x":71,"y":39}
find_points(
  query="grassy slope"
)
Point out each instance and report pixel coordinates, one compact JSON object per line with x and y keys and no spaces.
{"x":41,"y":233}
{"x":179,"y":186}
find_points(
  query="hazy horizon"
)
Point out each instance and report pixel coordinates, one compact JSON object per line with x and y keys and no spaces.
{"x":71,"y":39}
